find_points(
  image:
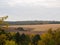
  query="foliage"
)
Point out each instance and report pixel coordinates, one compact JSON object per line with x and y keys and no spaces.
{"x":48,"y":38}
{"x":2,"y":22}
{"x":2,"y":39}
{"x":20,"y":29}
{"x":17,"y":38}
{"x":35,"y":39}
{"x":11,"y":42}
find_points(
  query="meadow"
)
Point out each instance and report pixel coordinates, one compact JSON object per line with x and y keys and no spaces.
{"x":42,"y":27}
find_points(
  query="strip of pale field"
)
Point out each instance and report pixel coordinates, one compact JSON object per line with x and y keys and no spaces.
{"x":43,"y":27}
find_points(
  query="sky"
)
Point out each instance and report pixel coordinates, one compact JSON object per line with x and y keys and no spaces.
{"x":22,"y":10}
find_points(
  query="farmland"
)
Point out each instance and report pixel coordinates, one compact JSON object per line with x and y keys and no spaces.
{"x":43,"y":27}
{"x":33,"y":29}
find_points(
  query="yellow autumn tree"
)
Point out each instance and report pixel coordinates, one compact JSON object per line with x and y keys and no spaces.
{"x":2,"y":22}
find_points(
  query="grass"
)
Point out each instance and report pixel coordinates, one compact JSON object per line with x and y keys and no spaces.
{"x":43,"y":27}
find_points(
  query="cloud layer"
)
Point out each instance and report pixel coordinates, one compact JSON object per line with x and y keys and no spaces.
{"x":47,"y":3}
{"x":30,"y":9}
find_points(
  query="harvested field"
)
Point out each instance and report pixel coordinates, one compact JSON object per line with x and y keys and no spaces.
{"x":43,"y":27}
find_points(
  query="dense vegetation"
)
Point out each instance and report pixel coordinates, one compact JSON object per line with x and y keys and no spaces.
{"x":32,"y":22}
{"x":12,"y":38}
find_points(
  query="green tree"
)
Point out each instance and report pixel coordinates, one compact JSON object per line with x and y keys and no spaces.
{"x":25,"y":39}
{"x":57,"y":37}
{"x":35,"y":39}
{"x":17,"y":38}
{"x":9,"y":36}
{"x":2,"y":31}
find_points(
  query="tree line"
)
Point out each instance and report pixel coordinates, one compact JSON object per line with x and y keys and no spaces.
{"x":32,"y":22}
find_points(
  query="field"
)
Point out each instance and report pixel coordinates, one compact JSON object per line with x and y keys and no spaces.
{"x":31,"y":35}
{"x":43,"y":27}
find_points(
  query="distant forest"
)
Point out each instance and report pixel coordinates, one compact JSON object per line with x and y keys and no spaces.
{"x":32,"y":22}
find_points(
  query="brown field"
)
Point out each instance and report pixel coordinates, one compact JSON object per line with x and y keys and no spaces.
{"x":43,"y":27}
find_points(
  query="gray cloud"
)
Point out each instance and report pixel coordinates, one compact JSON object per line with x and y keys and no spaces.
{"x":24,"y":11}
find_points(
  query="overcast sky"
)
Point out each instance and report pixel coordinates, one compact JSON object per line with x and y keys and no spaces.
{"x":19,"y":10}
